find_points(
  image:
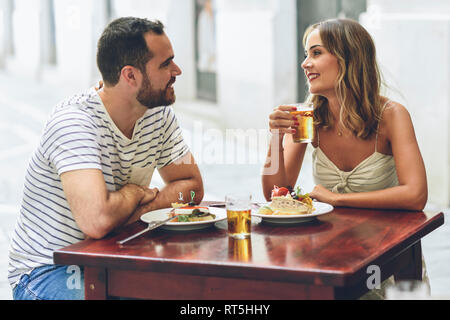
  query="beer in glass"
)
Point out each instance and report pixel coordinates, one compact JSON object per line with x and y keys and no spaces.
{"x":305,"y":118}
{"x":239,"y":215}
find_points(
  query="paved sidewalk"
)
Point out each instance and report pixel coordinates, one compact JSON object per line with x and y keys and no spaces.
{"x":25,"y":106}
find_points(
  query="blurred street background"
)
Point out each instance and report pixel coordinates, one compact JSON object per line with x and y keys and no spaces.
{"x":240,"y":58}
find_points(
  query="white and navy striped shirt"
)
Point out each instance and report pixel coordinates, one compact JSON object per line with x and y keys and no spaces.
{"x":81,"y":135}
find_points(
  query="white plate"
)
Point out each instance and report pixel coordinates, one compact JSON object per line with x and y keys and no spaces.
{"x":161,"y":214}
{"x":320,"y":209}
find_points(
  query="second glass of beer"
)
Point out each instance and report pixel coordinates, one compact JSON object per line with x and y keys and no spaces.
{"x":239,"y":215}
{"x":305,"y":117}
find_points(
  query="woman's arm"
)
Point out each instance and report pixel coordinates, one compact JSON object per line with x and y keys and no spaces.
{"x":412,"y":192}
{"x":284,"y":158}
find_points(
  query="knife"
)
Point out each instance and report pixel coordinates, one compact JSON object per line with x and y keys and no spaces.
{"x":150,"y":227}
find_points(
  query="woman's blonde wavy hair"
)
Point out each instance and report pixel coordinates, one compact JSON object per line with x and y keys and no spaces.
{"x":359,"y":79}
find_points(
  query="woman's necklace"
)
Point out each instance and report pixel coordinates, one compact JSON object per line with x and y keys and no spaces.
{"x":339,"y":131}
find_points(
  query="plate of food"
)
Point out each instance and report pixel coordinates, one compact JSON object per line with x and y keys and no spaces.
{"x":186,"y":217}
{"x":289,"y":207}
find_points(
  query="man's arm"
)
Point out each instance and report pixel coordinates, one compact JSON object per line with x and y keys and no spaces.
{"x":96,"y":210}
{"x":184,"y":176}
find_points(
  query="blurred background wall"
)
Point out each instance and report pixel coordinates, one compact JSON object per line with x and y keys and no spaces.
{"x":413,"y":46}
{"x":241,"y":58}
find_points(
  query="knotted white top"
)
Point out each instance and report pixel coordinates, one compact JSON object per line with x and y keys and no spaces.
{"x":376,"y":172}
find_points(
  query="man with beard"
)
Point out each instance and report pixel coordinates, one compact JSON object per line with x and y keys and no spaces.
{"x":91,"y":172}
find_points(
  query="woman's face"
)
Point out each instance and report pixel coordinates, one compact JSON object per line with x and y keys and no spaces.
{"x":320,"y":66}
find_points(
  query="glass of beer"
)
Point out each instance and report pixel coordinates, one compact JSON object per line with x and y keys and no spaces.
{"x":305,"y":129}
{"x":239,"y":215}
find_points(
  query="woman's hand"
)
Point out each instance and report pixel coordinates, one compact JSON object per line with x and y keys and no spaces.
{"x":322,"y":194}
{"x":281,"y":121}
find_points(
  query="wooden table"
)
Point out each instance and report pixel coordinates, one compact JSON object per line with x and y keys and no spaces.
{"x":324,"y":259}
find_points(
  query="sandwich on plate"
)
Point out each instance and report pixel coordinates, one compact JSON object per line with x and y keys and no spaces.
{"x":286,"y":202}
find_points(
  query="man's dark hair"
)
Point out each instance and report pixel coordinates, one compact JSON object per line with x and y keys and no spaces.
{"x":122,"y":43}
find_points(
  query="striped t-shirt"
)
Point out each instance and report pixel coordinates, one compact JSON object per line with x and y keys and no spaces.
{"x":81,"y":135}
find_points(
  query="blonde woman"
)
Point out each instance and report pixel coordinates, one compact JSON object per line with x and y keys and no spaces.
{"x":365,"y":150}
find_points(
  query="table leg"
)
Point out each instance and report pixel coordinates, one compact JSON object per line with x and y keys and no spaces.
{"x":95,"y":287}
{"x":413,"y":269}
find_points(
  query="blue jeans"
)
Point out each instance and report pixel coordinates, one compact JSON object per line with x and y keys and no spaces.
{"x":51,"y":282}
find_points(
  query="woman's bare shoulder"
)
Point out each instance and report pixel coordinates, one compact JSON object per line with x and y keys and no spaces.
{"x":395,"y":116}
{"x":394,"y":109}
{"x":392,"y":105}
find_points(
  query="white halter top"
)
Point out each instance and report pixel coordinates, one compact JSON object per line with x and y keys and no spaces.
{"x":376,"y":172}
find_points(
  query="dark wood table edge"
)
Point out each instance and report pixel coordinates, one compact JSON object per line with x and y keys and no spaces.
{"x":108,"y":283}
{"x":205,"y":288}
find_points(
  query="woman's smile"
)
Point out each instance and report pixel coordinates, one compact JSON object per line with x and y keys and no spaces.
{"x":312,"y":76}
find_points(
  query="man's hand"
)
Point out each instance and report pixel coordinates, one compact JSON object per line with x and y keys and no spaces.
{"x":182,"y":176}
{"x":149,"y":195}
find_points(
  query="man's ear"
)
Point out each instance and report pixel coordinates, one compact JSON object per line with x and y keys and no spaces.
{"x":131,"y":75}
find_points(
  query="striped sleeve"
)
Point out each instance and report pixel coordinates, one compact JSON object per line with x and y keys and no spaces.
{"x":70,"y":142}
{"x":173,"y":145}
